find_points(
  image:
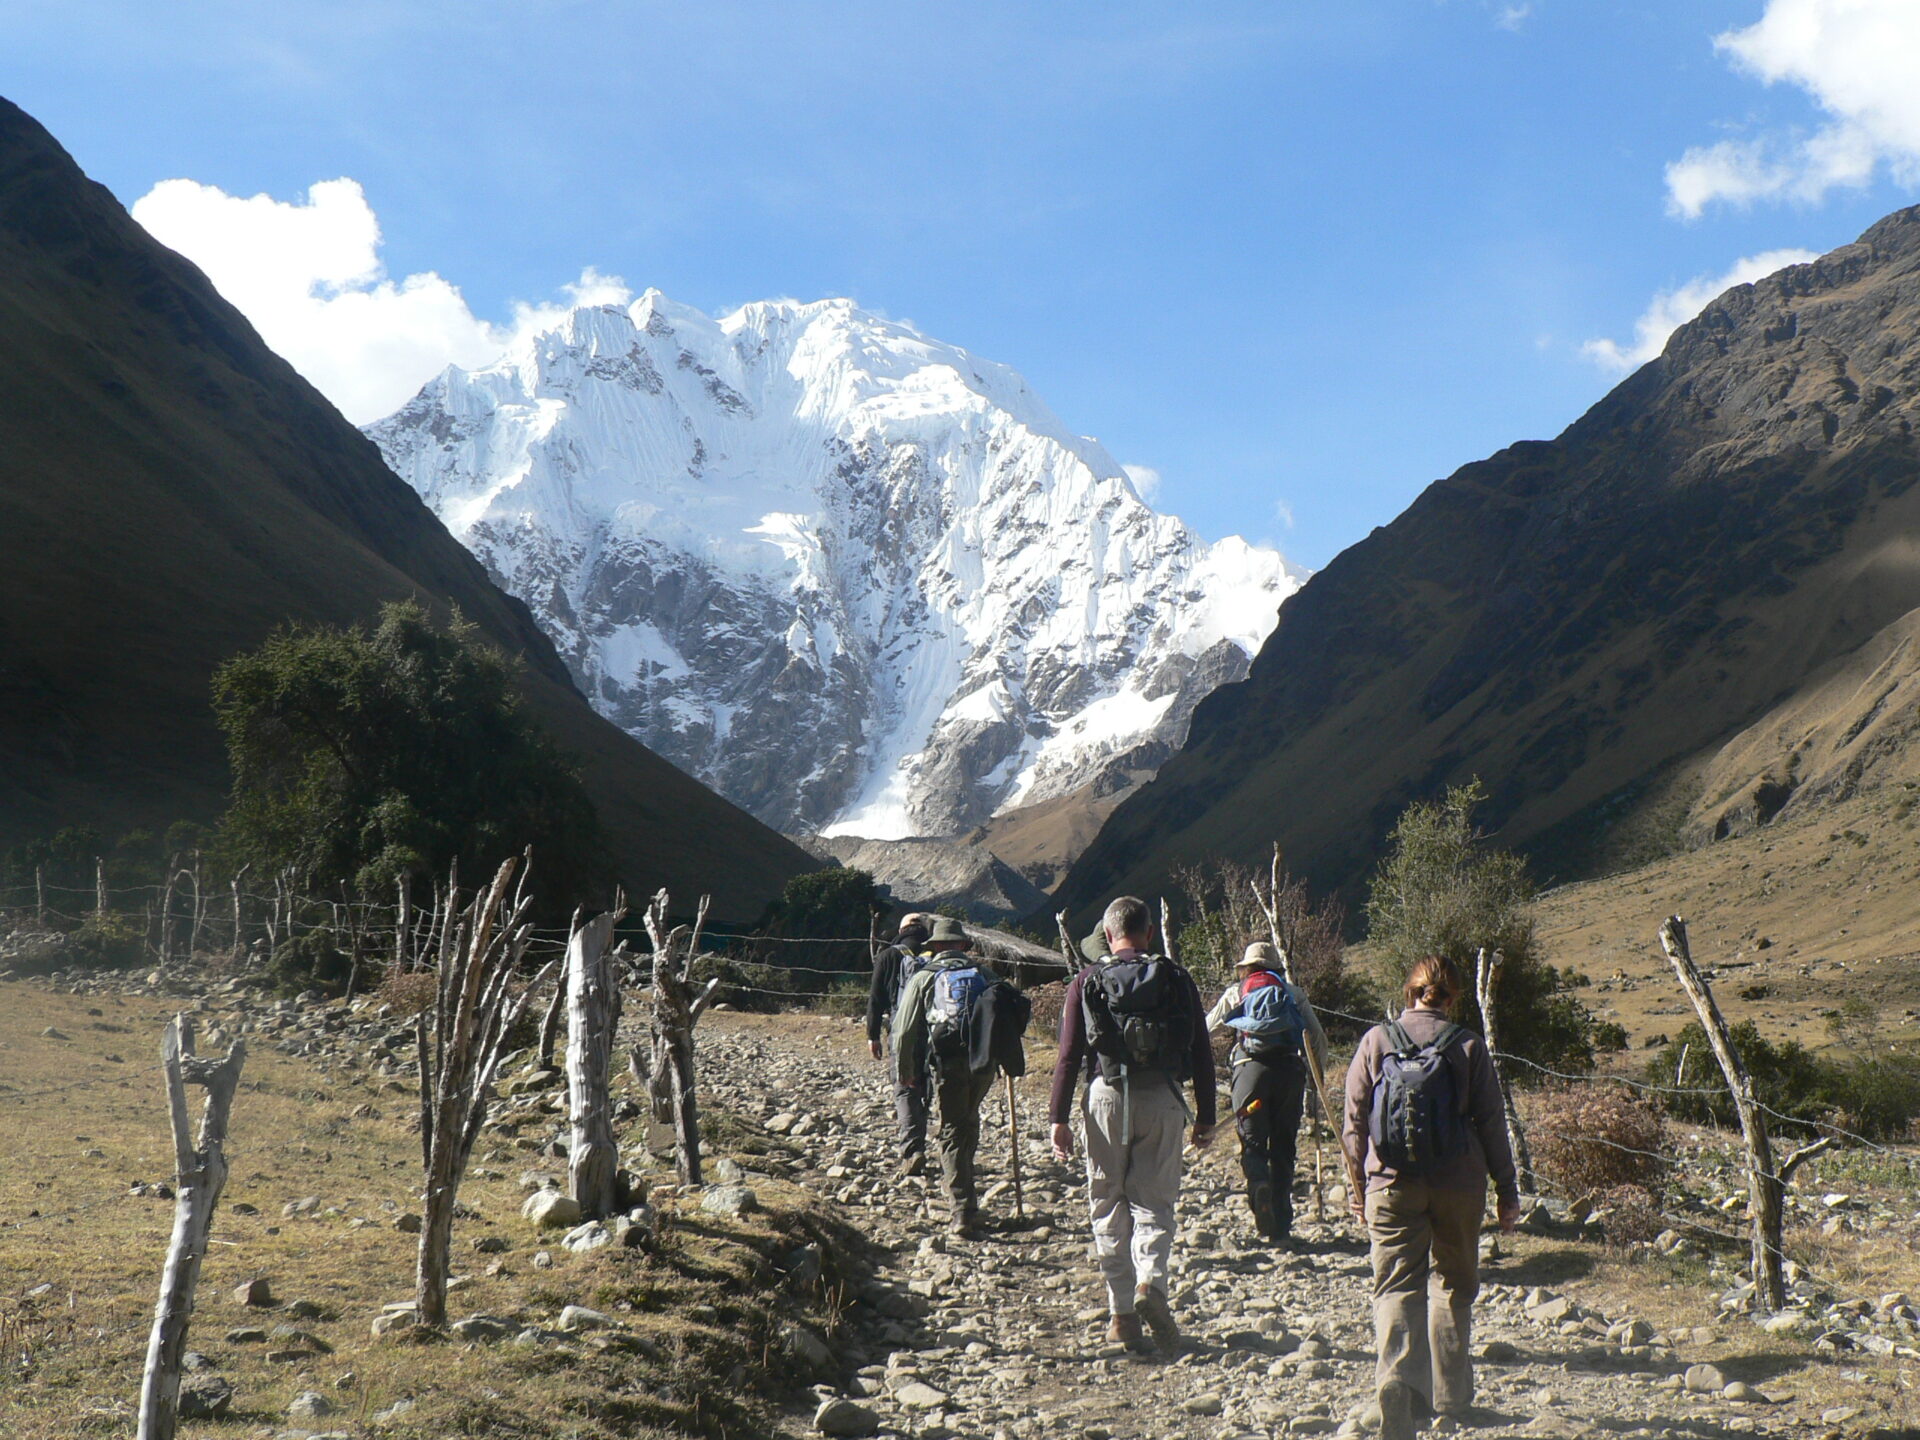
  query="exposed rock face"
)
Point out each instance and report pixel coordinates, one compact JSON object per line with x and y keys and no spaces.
{"x":1571,"y":620}
{"x":853,"y":578}
{"x":952,"y":876}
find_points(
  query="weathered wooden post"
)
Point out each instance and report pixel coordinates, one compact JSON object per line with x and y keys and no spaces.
{"x":1166,"y":932}
{"x":664,"y":1064}
{"x":401,"y":918}
{"x":239,"y":932}
{"x":99,"y":888}
{"x":200,"y":1173}
{"x":460,"y":1039}
{"x":593,"y":1016}
{"x":199,"y":908}
{"x":1486,"y":989}
{"x":1765,"y":1190}
{"x":1068,"y":950}
{"x":166,"y":910}
{"x":40,"y":896}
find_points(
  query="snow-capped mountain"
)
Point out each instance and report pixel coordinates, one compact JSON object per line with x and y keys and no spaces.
{"x":854,"y":579}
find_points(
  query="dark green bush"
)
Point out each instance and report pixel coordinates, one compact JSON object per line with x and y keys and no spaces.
{"x":107,"y":942}
{"x":1878,"y":1097}
{"x":310,"y":962}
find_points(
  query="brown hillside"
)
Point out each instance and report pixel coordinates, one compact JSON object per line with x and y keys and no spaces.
{"x":1581,"y":622}
{"x":170,"y":491}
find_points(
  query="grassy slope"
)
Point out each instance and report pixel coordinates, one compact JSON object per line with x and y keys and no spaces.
{"x":66,"y":1221}
{"x":170,"y":491}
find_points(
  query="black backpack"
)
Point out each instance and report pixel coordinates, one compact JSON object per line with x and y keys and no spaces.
{"x":1140,"y":1016}
{"x":1418,"y":1119}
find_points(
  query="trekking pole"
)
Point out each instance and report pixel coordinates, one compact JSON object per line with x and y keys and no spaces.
{"x":1013,"y":1135}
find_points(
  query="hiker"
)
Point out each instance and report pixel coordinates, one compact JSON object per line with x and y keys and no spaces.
{"x":883,"y":1001}
{"x":1424,"y":1124}
{"x":958,"y":1027}
{"x":1132,"y":1023}
{"x":1271,"y":1021}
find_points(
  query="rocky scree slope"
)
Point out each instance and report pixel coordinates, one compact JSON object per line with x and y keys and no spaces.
{"x":170,"y":492}
{"x":1585,"y":621}
{"x":857,"y":580}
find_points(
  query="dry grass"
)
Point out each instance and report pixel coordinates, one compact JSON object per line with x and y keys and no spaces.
{"x":73,"y":1352}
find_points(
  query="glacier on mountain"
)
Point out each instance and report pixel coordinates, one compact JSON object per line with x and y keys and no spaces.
{"x":856,"y":580}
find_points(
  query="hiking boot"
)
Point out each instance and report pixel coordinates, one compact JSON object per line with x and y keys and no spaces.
{"x":1260,"y":1201}
{"x":1396,"y":1411}
{"x":911,"y":1165}
{"x":1151,"y":1303}
{"x":965,"y":1225}
{"x":1125,"y":1330}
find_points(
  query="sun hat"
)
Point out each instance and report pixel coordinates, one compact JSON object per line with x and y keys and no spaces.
{"x":1260,"y":955}
{"x":948,"y":929}
{"x":1093,"y":948}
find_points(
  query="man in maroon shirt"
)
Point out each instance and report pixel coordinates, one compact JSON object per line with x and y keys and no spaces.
{"x":1134,"y":1115}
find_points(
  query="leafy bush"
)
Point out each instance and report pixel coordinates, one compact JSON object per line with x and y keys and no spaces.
{"x":1442,"y":890}
{"x":1589,"y":1138}
{"x":834,"y":904}
{"x":1628,"y":1213}
{"x":410,"y":993}
{"x":107,"y":942}
{"x":310,"y":961}
{"x":1878,"y":1097}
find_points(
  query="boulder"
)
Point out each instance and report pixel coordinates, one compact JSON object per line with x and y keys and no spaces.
{"x":840,"y":1416}
{"x":551,"y":1210}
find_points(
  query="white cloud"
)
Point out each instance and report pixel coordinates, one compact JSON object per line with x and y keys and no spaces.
{"x":1146,"y":481}
{"x":1859,"y":59}
{"x":307,"y":274}
{"x":1512,"y":17}
{"x":1283,"y":512}
{"x":1673,"y":308}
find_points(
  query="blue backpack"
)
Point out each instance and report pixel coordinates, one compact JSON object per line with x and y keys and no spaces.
{"x":1269,"y":1020}
{"x":956,"y":990}
{"x":1418,"y":1119}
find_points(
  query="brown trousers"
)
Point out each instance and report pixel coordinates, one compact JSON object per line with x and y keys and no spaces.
{"x":1426,"y":1271}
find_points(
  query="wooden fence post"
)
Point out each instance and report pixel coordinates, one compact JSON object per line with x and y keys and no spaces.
{"x":1486,"y":988}
{"x":239,"y":932}
{"x":460,"y":1039}
{"x":593,"y":1016}
{"x":200,"y":1175}
{"x":1765,"y":1189}
{"x":664,"y":1065}
{"x":166,"y":911}
{"x":1068,"y":950}
{"x":40,"y":895}
{"x":99,"y":888}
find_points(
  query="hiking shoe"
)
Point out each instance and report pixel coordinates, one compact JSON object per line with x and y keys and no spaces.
{"x":912,"y":1165}
{"x":1260,"y":1201}
{"x":1151,"y":1303}
{"x":1396,"y":1411}
{"x":1125,"y":1330}
{"x":964,"y":1226}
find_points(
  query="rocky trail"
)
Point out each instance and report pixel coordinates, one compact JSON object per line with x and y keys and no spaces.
{"x":1003,"y":1337}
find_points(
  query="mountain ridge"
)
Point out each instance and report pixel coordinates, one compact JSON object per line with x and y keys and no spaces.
{"x":1572,"y":619}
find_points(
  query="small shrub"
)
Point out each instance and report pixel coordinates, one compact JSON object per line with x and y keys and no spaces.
{"x":107,"y":942}
{"x":1878,"y":1097}
{"x":409,"y":994}
{"x":1588,"y":1139}
{"x":310,"y":962}
{"x":1628,"y":1213}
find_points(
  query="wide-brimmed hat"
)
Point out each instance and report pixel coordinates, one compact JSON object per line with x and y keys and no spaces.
{"x":1093,"y":948}
{"x":1260,"y":955}
{"x":946,"y":928}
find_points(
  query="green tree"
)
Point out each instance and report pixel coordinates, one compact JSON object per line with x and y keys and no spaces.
{"x":834,"y":904}
{"x":1442,"y":890}
{"x":362,"y":754}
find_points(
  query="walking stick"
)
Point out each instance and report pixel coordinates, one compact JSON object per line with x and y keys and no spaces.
{"x":1013,"y":1136}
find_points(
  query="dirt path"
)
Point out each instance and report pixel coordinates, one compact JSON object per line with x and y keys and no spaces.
{"x":1003,"y":1337}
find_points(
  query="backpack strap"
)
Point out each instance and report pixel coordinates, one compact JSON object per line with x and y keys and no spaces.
{"x":1397,"y":1037}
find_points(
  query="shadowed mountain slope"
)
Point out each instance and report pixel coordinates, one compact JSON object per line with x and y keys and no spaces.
{"x":1581,"y":622}
{"x":171,"y":491}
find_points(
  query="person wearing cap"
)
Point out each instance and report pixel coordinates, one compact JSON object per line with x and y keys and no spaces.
{"x":883,"y":1001}
{"x":1269,"y":1080}
{"x":961,"y":1080}
{"x":1134,"y":1127}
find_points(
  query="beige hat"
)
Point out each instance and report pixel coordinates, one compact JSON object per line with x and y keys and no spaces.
{"x":948,"y":930}
{"x":1260,"y":956}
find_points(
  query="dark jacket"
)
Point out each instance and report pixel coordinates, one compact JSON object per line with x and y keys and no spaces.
{"x":1077,"y":1057}
{"x":883,"y":995}
{"x":999,"y":1029}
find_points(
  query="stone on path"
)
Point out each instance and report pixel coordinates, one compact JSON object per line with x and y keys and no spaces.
{"x":1703,"y":1380}
{"x":917,"y":1396}
{"x":839,"y":1416}
{"x":551,"y":1210}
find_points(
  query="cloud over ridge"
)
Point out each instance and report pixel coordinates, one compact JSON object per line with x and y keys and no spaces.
{"x":1670,"y":309}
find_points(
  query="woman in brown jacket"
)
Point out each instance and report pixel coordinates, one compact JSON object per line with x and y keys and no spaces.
{"x":1425,"y":1229}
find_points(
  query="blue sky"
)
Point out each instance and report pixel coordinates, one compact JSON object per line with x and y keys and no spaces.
{"x":1301,"y":260}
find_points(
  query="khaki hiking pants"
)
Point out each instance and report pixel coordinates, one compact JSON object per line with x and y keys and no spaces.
{"x":1133,"y":1180}
{"x":958,"y":1139}
{"x":1426,"y":1271}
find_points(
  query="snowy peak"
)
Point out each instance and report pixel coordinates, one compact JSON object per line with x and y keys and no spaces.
{"x":850,"y":576}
